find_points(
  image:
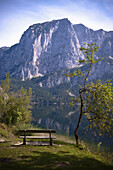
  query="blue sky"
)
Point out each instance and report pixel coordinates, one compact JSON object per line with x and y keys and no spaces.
{"x":17,"y":15}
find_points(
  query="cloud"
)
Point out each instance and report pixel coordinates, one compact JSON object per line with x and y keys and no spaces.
{"x":108,"y":4}
{"x":92,"y":17}
{"x":17,"y":16}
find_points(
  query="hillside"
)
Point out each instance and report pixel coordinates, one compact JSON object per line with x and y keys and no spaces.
{"x":62,"y":155}
{"x":51,"y":109}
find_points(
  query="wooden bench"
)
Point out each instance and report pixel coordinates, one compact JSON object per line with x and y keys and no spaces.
{"x":46,"y":131}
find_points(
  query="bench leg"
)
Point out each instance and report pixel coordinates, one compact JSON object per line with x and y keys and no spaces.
{"x":24,"y":141}
{"x":51,"y":142}
{"x":50,"y":139}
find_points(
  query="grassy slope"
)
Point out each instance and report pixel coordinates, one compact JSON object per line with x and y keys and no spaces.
{"x":61,"y":155}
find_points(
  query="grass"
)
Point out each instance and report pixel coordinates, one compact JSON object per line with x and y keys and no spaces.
{"x":59,"y":156}
{"x":62,"y":155}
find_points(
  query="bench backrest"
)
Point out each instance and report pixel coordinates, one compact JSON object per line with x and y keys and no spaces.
{"x":38,"y":131}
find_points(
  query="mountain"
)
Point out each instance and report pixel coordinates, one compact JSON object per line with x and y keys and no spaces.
{"x":102,"y":38}
{"x":43,"y":48}
{"x":49,"y":48}
{"x":46,"y":52}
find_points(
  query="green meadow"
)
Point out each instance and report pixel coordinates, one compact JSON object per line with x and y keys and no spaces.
{"x":64,"y":154}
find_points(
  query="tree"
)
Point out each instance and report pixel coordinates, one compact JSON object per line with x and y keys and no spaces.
{"x":96,"y":99}
{"x":99,"y":107}
{"x":14,"y":106}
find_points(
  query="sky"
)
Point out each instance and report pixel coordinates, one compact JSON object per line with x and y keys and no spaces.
{"x":17,"y":15}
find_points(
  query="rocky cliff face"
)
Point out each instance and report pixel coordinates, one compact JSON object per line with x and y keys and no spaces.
{"x":102,"y":38}
{"x":43,"y":48}
{"x":54,"y":46}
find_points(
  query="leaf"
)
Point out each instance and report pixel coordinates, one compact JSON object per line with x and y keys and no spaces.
{"x":82,"y":61}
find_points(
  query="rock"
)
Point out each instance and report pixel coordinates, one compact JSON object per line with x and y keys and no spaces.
{"x":50,"y":48}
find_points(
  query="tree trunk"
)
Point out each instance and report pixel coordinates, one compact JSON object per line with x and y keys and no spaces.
{"x":80,"y":118}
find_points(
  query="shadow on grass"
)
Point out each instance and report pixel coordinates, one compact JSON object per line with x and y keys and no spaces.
{"x":40,"y":143}
{"x":47,"y":160}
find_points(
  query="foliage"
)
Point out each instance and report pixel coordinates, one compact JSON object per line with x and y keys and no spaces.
{"x":96,"y":99}
{"x":14,"y":106}
{"x":6,"y":133}
{"x":98,"y":146}
{"x":99,"y":106}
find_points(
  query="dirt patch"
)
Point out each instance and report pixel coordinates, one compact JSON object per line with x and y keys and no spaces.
{"x":2,"y":140}
{"x":62,"y":164}
{"x":59,"y":164}
{"x":34,"y":143}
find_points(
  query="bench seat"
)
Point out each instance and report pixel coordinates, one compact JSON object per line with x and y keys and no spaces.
{"x":37,"y":137}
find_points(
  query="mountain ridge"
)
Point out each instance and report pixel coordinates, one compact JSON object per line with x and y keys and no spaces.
{"x":53,"y":46}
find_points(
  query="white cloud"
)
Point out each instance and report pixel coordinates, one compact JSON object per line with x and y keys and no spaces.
{"x":77,"y":11}
{"x":91,"y":17}
{"x":109,"y":5}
